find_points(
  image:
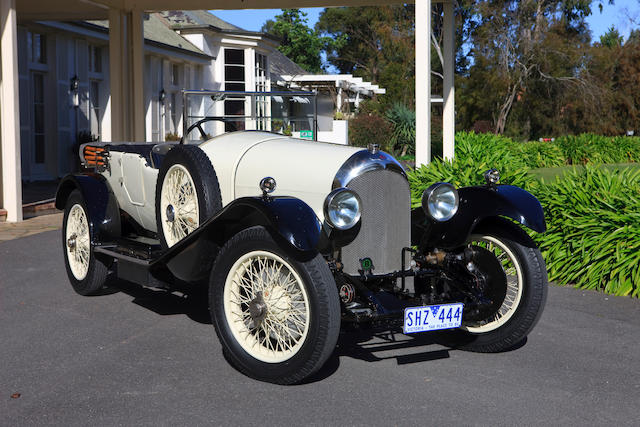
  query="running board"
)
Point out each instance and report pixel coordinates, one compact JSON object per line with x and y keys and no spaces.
{"x":135,"y":257}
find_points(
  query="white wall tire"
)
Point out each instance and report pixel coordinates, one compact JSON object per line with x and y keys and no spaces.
{"x":187,"y":193}
{"x":86,"y":272}
{"x":288,"y":332}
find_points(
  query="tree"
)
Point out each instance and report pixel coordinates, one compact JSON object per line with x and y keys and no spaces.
{"x":299,"y":43}
{"x":611,"y":38}
{"x":375,"y":43}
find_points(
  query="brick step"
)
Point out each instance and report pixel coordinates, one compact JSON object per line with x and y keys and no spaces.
{"x":30,"y":210}
{"x":3,"y":215}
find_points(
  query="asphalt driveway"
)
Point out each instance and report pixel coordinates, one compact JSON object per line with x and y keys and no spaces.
{"x":144,"y":357}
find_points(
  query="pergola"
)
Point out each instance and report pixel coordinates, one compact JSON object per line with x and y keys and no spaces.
{"x":126,"y":55}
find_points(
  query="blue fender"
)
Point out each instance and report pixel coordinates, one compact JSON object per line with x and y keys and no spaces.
{"x":476,"y":205}
{"x":102,"y":207}
{"x":291,"y":221}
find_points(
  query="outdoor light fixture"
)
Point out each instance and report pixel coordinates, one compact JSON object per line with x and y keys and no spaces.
{"x":162,"y":95}
{"x":74,"y":84}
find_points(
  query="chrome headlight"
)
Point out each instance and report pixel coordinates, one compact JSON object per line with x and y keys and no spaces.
{"x":440,"y":201}
{"x":342,"y":208}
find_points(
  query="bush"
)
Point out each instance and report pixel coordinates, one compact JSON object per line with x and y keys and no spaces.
{"x":474,"y":154}
{"x":370,"y":128}
{"x":588,"y":148}
{"x":593,"y":237}
{"x":540,"y":154}
{"x":403,"y":120}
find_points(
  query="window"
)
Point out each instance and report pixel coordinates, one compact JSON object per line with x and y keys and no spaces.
{"x":173,"y":106}
{"x":38,"y":116}
{"x":175,"y":75}
{"x":234,"y":81}
{"x":261,"y":86}
{"x":95,"y":59}
{"x":94,"y":108}
{"x":37,"y":46}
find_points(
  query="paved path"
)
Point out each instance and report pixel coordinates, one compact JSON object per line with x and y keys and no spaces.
{"x":144,"y":357}
{"x":28,"y":227}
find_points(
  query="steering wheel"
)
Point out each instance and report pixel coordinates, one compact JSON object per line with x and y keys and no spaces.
{"x":203,"y":134}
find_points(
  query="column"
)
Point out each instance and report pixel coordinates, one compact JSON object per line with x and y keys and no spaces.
{"x":10,"y":112}
{"x":448,"y":53}
{"x":423,"y":82}
{"x":126,"y":70}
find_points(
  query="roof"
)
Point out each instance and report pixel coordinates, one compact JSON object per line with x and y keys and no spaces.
{"x":196,"y":18}
{"x":279,"y":65}
{"x":156,"y":30}
{"x":345,"y":81}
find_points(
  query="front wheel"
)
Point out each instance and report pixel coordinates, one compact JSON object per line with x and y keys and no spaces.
{"x":524,"y":299}
{"x":277,"y":317}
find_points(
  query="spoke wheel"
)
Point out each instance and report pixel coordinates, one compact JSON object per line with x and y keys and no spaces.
{"x":86,"y":272}
{"x":515,"y":284}
{"x":266,"y":306}
{"x":187,"y":194}
{"x":179,"y":208}
{"x":277,"y":317}
{"x":526,"y":293}
{"x":78,"y":242}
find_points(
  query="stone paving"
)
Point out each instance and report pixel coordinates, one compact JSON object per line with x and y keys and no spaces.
{"x":35,"y":225}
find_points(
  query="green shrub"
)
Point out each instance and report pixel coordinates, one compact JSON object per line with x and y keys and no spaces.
{"x":370,"y":128}
{"x":593,"y":237}
{"x":474,"y":154}
{"x":540,"y":154}
{"x":588,"y":148}
{"x":403,"y":120}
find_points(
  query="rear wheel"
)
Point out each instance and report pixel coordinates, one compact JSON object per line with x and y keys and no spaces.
{"x":524,"y":299}
{"x":277,"y":318}
{"x":86,"y":273}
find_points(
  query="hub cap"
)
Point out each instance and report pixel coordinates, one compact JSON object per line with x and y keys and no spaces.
{"x":266,"y":306}
{"x":78,"y":242}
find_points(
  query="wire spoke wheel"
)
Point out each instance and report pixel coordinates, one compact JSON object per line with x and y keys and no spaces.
{"x":77,"y":239}
{"x":179,"y":211}
{"x":515,"y":284}
{"x":266,"y":306}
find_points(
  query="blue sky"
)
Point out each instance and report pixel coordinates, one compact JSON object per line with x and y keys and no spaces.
{"x":620,"y":14}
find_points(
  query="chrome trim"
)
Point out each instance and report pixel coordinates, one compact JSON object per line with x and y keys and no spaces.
{"x":330,"y":198}
{"x":426,"y":195}
{"x":365,"y":161}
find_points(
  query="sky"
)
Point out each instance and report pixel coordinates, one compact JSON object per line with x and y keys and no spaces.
{"x":621,"y":14}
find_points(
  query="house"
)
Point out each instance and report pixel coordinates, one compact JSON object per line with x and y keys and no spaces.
{"x":65,"y":87}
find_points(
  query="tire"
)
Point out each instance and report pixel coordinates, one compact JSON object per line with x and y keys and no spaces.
{"x":194,"y":198}
{"x":86,"y":273}
{"x":250,"y":318}
{"x":526,"y":294}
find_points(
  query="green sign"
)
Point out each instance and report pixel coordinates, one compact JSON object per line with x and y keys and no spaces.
{"x":306,"y":134}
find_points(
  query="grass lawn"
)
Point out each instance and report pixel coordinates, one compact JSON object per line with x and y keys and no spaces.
{"x":549,"y":174}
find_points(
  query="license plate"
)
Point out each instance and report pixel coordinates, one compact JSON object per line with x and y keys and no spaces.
{"x":432,"y":317}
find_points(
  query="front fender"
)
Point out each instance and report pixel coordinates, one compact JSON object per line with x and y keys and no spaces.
{"x":292,"y":221}
{"x":477,"y":204}
{"x":102,"y":207}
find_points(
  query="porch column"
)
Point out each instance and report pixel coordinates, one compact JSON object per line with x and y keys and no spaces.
{"x":423,"y":82}
{"x":448,"y":53}
{"x":126,"y":62}
{"x":9,"y":113}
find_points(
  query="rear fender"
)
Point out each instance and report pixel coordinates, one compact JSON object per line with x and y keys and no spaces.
{"x":102,"y":206}
{"x":291,"y":221}
{"x":478,"y":205}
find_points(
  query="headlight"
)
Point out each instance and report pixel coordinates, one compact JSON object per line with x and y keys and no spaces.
{"x":440,"y":201}
{"x":342,"y":208}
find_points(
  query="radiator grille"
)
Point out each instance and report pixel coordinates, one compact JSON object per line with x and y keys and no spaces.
{"x":386,"y":216}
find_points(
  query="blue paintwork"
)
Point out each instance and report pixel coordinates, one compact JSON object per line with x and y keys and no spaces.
{"x":478,"y":204}
{"x":104,"y":217}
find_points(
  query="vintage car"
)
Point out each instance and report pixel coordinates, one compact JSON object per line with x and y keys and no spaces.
{"x":295,"y":238}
